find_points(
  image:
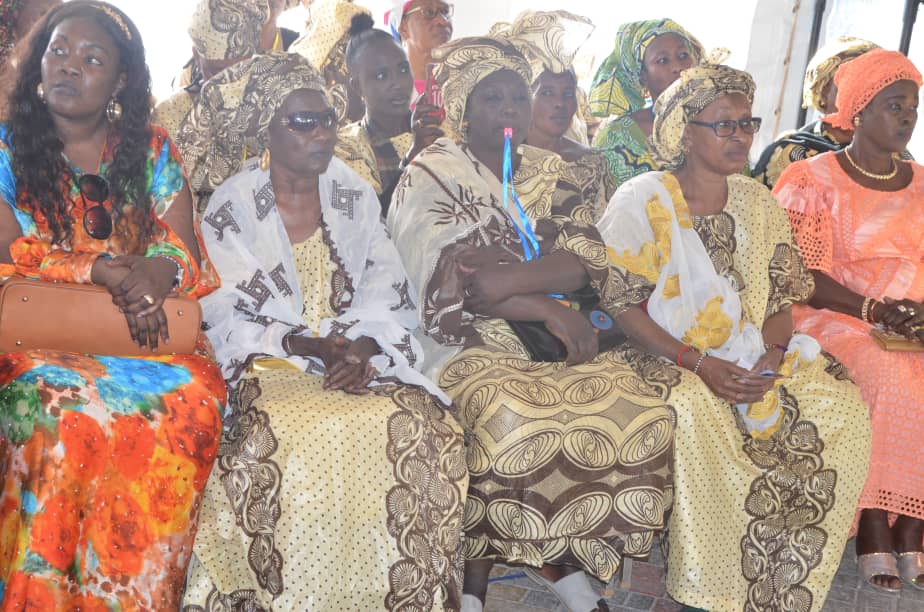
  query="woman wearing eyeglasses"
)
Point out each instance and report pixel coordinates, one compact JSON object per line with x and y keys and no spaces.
{"x":422,"y":26}
{"x":104,"y":459}
{"x":857,"y":214}
{"x":341,"y":480}
{"x":772,"y":438}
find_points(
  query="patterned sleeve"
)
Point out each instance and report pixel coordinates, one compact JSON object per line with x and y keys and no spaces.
{"x":632,"y":259}
{"x":383,"y":306}
{"x":790,"y":280}
{"x":166,"y":182}
{"x":804,"y":200}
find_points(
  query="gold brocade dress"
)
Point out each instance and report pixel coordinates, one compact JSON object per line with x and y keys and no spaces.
{"x":322,"y":500}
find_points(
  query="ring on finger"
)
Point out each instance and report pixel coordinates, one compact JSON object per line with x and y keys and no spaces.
{"x":902,"y":309}
{"x":147,"y":297}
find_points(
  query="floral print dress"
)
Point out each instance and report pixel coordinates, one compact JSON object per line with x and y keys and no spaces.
{"x":102,"y":459}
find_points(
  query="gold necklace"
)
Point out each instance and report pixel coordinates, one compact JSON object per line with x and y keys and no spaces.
{"x":868,"y":174}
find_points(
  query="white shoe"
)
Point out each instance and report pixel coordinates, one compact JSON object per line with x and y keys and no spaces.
{"x":470,"y":603}
{"x":573,"y":591}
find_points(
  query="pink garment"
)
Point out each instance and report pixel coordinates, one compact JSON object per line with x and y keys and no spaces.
{"x":872,"y":242}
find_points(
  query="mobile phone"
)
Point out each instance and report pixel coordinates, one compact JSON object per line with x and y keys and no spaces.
{"x":433,"y":93}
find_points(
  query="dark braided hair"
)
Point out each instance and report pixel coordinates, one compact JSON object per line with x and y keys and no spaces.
{"x":38,"y":160}
{"x":362,"y":31}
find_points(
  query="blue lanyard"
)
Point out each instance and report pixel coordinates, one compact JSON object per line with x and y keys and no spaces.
{"x":527,"y":237}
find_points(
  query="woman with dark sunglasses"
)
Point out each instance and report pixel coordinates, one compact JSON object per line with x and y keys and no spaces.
{"x":343,"y":478}
{"x":103,"y":459}
{"x":772,"y":438}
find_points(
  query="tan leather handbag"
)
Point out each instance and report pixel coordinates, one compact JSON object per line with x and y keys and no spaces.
{"x":82,"y":319}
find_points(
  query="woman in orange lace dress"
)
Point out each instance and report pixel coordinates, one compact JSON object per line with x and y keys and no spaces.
{"x":103,"y":459}
{"x":858,"y":216}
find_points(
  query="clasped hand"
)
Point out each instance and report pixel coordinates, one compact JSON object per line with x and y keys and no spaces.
{"x":735,"y":384}
{"x":139,"y":285}
{"x":903,"y":316}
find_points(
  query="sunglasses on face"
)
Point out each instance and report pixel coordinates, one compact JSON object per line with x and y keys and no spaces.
{"x":308,"y":121}
{"x":432,"y":12}
{"x":96,"y":219}
{"x":727,"y":127}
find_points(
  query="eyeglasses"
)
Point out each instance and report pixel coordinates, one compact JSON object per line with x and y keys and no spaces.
{"x":96,"y":219}
{"x":430,"y":13}
{"x":727,"y":127}
{"x":308,"y":121}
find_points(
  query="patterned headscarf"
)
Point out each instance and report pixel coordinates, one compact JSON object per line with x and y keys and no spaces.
{"x":231,"y":118}
{"x":859,"y":80}
{"x":324,"y":45}
{"x":825,"y":63}
{"x":465,"y":62}
{"x":547,"y":39}
{"x":697,"y":88}
{"x":228,"y":29}
{"x":616,"y":88}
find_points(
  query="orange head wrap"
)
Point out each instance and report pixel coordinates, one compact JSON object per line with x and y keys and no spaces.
{"x":859,"y":80}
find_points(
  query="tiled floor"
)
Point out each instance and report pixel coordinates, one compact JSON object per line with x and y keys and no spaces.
{"x":643,"y":590}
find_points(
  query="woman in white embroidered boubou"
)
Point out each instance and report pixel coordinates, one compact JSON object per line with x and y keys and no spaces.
{"x":341,"y":475}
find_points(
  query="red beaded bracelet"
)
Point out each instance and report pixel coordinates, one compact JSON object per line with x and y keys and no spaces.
{"x":680,"y":354}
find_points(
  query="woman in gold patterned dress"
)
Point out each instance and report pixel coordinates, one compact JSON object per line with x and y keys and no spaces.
{"x":541,"y":36}
{"x":772,"y":441}
{"x":379,"y":146}
{"x":569,"y":452}
{"x":340,"y":476}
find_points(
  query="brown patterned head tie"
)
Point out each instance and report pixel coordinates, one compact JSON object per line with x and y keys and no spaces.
{"x":116,"y":17}
{"x":697,"y":88}
{"x":465,"y":62}
{"x":232,"y":116}
{"x":228,"y":29}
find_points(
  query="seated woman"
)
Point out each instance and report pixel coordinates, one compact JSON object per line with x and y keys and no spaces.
{"x":771,"y":446}
{"x":541,"y":37}
{"x":341,"y":477}
{"x":569,"y":454}
{"x":857,"y":214}
{"x":819,"y":93}
{"x":103,"y":459}
{"x":648,"y":57}
{"x":421,"y":26}
{"x":381,"y":145}
{"x":324,"y":44}
{"x":215,"y":47}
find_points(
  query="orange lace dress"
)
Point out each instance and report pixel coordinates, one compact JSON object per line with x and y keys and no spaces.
{"x":872,"y":242}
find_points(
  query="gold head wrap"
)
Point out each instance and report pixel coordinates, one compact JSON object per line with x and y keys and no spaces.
{"x":824,"y":65}
{"x":549,"y":40}
{"x":465,"y":62}
{"x":697,"y":88}
{"x":228,"y":29}
{"x":324,"y":45}
{"x":231,"y":118}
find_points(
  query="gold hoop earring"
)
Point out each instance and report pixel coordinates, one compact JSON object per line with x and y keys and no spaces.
{"x":114,"y":111}
{"x":40,"y":92}
{"x":265,"y":160}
